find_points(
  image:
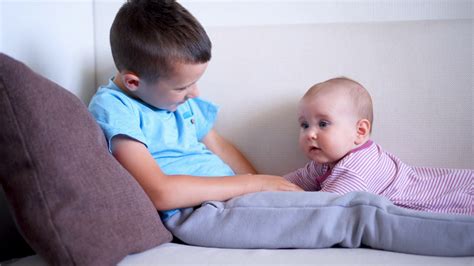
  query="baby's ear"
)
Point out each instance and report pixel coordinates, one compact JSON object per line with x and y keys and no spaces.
{"x":363,"y":131}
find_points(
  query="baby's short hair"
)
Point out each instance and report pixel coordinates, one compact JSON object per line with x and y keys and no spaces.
{"x":148,"y":36}
{"x":359,"y":95}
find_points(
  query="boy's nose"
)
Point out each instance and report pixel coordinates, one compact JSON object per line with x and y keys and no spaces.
{"x":193,"y":92}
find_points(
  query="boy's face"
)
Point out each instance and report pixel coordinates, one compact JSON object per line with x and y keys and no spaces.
{"x":173,"y":90}
{"x":327,"y":126}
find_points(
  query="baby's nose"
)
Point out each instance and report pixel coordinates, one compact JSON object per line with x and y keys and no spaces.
{"x":312,"y":134}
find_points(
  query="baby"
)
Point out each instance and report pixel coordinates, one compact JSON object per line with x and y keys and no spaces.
{"x":336,"y":119}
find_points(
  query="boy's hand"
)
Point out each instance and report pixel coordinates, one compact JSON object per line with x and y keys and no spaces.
{"x":274,"y":183}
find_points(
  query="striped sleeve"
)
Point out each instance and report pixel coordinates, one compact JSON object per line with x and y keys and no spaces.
{"x":306,"y":177}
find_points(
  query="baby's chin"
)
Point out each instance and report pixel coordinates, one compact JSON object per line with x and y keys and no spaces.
{"x":319,"y":160}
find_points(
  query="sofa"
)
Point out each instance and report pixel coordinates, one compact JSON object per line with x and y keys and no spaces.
{"x":65,"y":200}
{"x":75,"y":205}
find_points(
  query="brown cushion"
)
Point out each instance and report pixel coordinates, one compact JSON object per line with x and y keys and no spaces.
{"x":72,"y":201}
{"x":12,"y":244}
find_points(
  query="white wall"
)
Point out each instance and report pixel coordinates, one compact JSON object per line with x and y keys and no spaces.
{"x":53,"y":37}
{"x":414,"y":56}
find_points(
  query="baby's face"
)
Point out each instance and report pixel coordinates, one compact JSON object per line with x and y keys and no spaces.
{"x":327,"y":126}
{"x":173,"y":90}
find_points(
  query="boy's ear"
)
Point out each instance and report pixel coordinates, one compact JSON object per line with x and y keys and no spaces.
{"x":131,"y":81}
{"x":363,"y":131}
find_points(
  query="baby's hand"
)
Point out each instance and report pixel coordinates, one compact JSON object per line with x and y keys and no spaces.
{"x":275,"y":183}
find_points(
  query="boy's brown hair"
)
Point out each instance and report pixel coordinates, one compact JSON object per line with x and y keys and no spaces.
{"x":148,"y":36}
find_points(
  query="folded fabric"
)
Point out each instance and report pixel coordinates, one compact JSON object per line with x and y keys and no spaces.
{"x":320,"y":220}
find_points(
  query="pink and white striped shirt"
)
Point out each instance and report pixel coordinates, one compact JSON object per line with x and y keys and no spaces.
{"x":369,"y":168}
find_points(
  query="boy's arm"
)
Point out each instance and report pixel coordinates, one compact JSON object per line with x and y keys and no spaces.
{"x":179,"y":191}
{"x":228,"y":153}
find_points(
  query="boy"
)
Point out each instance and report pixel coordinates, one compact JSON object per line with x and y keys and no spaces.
{"x":336,"y":119}
{"x":156,"y":125}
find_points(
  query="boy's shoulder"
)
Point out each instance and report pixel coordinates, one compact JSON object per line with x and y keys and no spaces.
{"x":110,"y":90}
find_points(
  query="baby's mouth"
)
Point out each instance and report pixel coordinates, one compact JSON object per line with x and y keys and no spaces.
{"x":314,"y":148}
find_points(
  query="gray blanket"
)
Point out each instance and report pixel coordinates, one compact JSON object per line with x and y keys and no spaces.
{"x":320,"y":220}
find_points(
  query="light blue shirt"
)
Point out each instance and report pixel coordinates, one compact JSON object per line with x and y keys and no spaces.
{"x":173,"y":138}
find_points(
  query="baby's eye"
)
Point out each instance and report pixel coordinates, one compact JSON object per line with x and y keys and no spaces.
{"x":304,"y":125}
{"x":323,"y":124}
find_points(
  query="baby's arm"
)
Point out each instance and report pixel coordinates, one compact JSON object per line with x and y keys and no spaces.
{"x":179,"y":191}
{"x":305,"y":177}
{"x":228,"y":153}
